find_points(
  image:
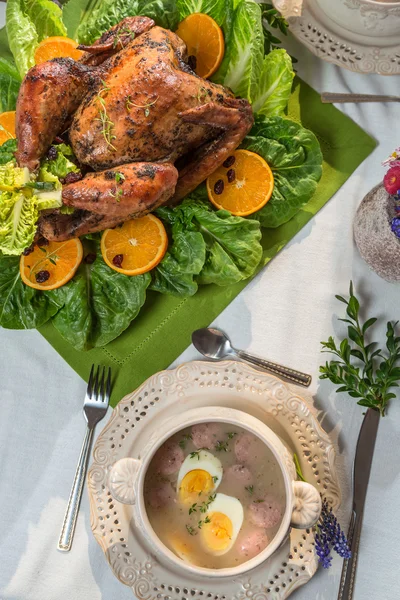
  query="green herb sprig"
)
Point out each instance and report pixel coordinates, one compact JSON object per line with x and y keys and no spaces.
{"x":362,"y":370}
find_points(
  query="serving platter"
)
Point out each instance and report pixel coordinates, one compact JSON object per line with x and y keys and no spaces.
{"x":168,"y":393}
{"x":359,"y":53}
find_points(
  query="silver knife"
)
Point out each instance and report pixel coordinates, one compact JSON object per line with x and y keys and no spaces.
{"x":362,"y":468}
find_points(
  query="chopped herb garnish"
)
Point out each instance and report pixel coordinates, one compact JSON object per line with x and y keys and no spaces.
{"x":193,"y":508}
{"x":118,"y":195}
{"x":231,"y":434}
{"x":215,"y":478}
{"x":191,"y":530}
{"x":182,"y":444}
{"x":204,"y":506}
{"x":207,"y":520}
{"x":52,"y":260}
{"x":185,"y":438}
{"x":221,"y":446}
{"x":250,"y":488}
{"x":258,"y":501}
{"x":194,"y":454}
{"x":43,"y":249}
{"x":119,"y":177}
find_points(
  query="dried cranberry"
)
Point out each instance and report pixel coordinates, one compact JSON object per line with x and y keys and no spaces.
{"x":117,"y":260}
{"x":42,"y":241}
{"x":231,"y":175}
{"x":192,"y":62}
{"x":89,"y":258}
{"x":28,"y":250}
{"x":229,"y":162}
{"x":52,"y":153}
{"x":219,"y":186}
{"x":42,"y":276}
{"x":72,"y":177}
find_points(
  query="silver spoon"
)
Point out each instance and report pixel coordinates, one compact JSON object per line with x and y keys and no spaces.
{"x":216,"y":345}
{"x":329,"y":98}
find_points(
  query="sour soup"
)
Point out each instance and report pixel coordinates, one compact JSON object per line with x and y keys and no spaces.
{"x":215,"y":495}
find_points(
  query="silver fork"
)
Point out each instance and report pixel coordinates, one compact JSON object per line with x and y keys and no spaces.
{"x":94,"y":409}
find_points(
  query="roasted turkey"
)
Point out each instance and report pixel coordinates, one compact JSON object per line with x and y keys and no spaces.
{"x":139,"y":118}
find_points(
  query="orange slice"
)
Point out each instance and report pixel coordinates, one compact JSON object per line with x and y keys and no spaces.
{"x":242,"y":184}
{"x":135,"y":247}
{"x":56,"y":47}
{"x":204,"y":40}
{"x":7,"y":126}
{"x":50,"y":266}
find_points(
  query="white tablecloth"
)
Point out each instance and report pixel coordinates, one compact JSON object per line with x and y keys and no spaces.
{"x":283,"y":314}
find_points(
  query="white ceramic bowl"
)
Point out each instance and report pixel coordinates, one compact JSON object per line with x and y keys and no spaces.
{"x":126,"y":482}
{"x":364,"y":17}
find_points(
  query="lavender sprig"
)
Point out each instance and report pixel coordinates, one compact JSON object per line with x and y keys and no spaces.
{"x":330,"y":536}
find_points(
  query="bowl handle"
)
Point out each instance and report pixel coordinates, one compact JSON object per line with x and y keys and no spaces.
{"x":307,"y":505}
{"x":121,"y":480}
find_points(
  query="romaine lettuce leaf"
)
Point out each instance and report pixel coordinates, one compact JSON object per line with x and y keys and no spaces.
{"x":103,"y":14}
{"x":184,"y":259}
{"x":28,"y":22}
{"x":19,"y":208}
{"x":10,"y":82}
{"x":59,"y":166}
{"x":98,"y":304}
{"x":214,"y":8}
{"x":295,"y":157}
{"x":233,"y":249}
{"x":274,"y":84}
{"x":244,"y":52}
{"x":22,"y":307}
{"x":7,"y":151}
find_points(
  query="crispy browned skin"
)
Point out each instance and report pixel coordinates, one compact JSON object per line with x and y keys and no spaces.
{"x":115,"y":39}
{"x":49,"y":94}
{"x":141,"y":187}
{"x":57,"y":227}
{"x":141,"y":103}
{"x":159,"y":111}
{"x":110,"y":197}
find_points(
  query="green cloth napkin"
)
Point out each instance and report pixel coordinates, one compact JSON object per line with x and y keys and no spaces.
{"x":164,"y":326}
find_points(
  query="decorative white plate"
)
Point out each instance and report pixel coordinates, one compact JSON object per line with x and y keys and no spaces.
{"x":168,"y":393}
{"x":325,"y":39}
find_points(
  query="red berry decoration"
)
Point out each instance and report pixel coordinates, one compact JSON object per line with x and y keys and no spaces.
{"x":391,"y":181}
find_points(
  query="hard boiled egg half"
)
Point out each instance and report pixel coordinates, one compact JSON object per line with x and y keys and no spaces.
{"x":221,"y":525}
{"x":200,"y":473}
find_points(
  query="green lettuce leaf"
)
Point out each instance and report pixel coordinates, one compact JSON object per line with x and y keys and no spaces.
{"x":274,"y":85}
{"x":7,"y":151}
{"x":60,"y":166}
{"x":103,"y":14}
{"x":10,"y":82}
{"x":98,"y":304}
{"x":244,"y":51}
{"x":184,"y":259}
{"x":215,"y":8}
{"x":295,"y":157}
{"x":28,"y":22}
{"x":22,"y":307}
{"x":19,"y":208}
{"x":232,"y":244}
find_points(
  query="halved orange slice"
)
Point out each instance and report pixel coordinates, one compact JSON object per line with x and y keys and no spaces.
{"x":7,"y":126}
{"x":242,"y":184}
{"x":56,"y":47}
{"x":51,"y":265}
{"x":204,"y":40}
{"x":135,"y":247}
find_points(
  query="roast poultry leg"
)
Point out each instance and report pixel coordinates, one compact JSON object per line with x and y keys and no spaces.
{"x":235,"y":119}
{"x":107,"y":198}
{"x":49,"y":94}
{"x":115,"y":39}
{"x":128,"y":191}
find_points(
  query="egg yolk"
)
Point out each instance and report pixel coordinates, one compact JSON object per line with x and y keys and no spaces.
{"x":194,"y":484}
{"x":217,"y":534}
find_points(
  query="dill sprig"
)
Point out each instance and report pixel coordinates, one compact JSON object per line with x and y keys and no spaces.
{"x":362,"y":370}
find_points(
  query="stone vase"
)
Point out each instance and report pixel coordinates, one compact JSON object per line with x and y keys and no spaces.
{"x":376,"y":242}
